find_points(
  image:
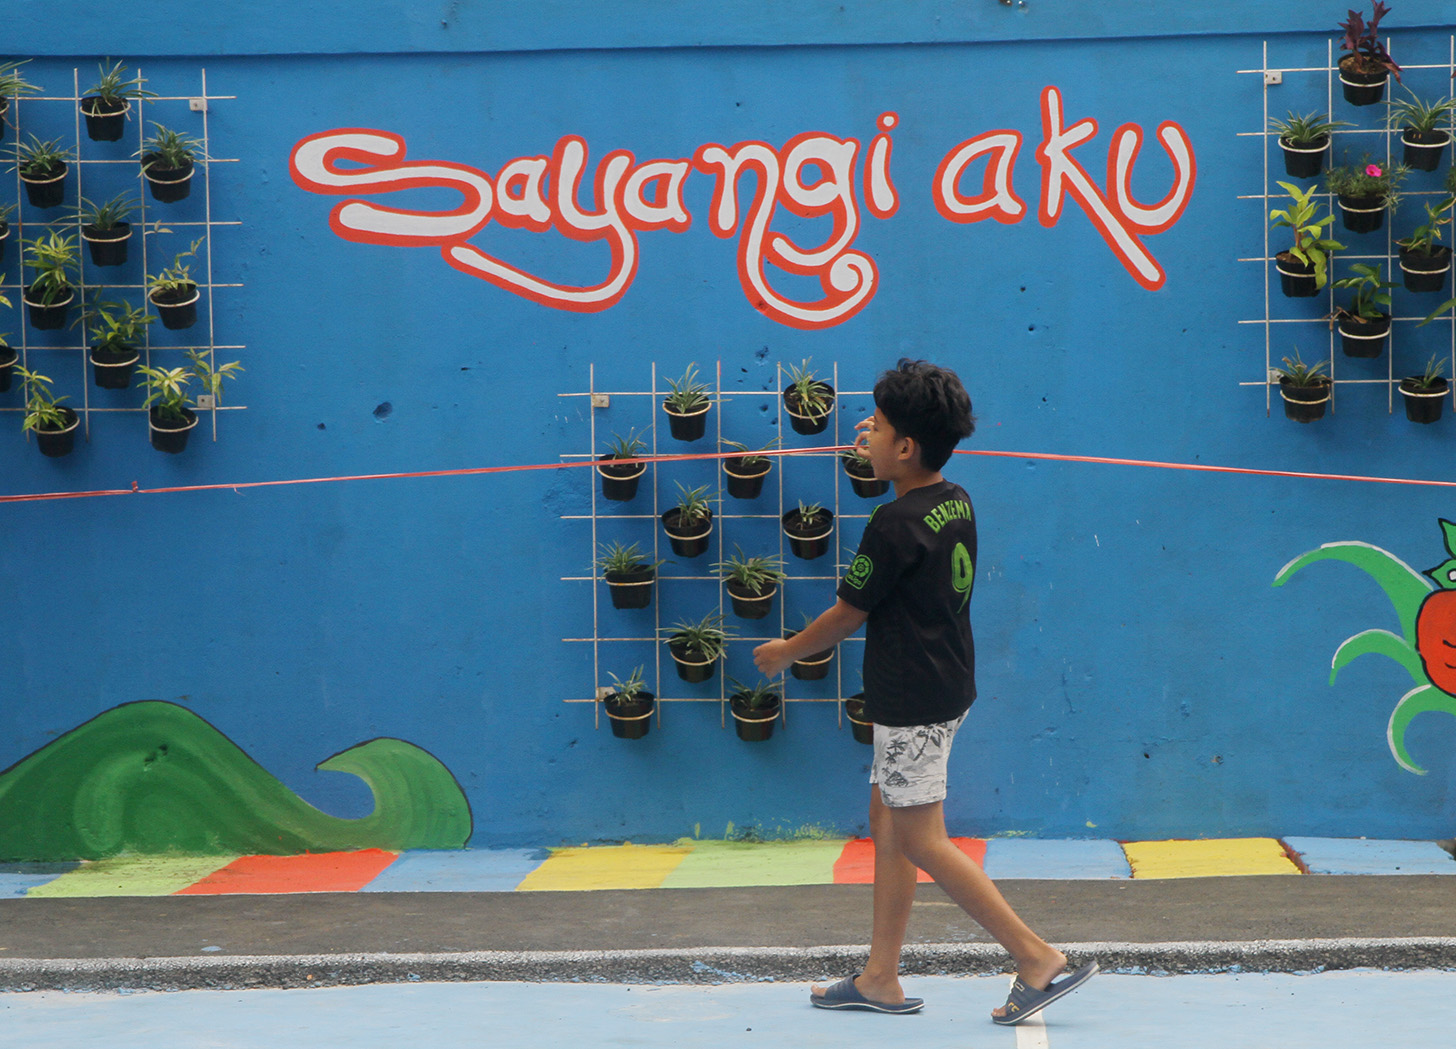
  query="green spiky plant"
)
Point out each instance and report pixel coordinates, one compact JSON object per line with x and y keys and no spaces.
{"x":1297,"y":373}
{"x":112,"y":90}
{"x":809,"y":392}
{"x":755,"y":697}
{"x":13,"y":84}
{"x":692,"y":504}
{"x":1311,"y":246}
{"x":755,"y":575}
{"x":688,"y":395}
{"x":1430,"y":379}
{"x":169,"y":149}
{"x":627,"y":691}
{"x":1303,"y":131}
{"x":615,"y":559}
{"x":1426,"y":615}
{"x":706,"y":638}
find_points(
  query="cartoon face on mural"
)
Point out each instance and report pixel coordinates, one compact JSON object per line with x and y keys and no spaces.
{"x":1426,"y":645}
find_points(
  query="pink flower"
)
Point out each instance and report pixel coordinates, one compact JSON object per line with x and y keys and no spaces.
{"x":1373,"y":171}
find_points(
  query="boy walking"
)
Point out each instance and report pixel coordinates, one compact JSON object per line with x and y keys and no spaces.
{"x":911,"y":582}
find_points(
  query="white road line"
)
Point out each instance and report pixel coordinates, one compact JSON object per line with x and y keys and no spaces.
{"x":1030,"y":1034}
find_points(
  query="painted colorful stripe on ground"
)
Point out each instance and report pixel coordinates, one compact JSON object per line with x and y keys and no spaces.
{"x":702,"y":864}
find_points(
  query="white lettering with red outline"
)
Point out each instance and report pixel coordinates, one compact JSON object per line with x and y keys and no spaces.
{"x":813,"y":175}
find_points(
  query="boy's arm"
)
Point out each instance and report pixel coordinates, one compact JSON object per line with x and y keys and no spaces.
{"x":833,"y":625}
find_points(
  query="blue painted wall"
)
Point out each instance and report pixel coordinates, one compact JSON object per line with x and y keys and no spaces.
{"x":1138,"y":675}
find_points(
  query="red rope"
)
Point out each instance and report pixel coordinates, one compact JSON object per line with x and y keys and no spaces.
{"x":1105,"y":460}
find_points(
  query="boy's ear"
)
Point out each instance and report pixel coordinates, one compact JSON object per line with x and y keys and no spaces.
{"x":910,"y":450}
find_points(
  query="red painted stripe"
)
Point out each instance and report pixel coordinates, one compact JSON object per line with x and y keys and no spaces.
{"x":311,"y":872}
{"x":856,"y":863}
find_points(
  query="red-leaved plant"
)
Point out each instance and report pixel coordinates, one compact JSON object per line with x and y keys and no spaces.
{"x":1363,"y":42}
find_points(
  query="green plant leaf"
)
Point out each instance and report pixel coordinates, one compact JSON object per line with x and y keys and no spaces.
{"x":1378,"y":643}
{"x":1405,"y":587}
{"x":1422,"y":700}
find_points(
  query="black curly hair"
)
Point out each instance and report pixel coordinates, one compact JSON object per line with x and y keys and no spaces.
{"x":927,"y":403}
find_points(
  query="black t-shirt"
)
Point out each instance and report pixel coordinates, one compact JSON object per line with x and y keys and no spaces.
{"x":913,"y":574}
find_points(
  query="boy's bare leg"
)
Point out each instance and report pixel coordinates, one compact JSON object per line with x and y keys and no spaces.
{"x":894,"y":892}
{"x":919,"y":834}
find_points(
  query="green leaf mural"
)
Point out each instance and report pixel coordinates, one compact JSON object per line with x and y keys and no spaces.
{"x":153,"y":777}
{"x":1426,"y":645}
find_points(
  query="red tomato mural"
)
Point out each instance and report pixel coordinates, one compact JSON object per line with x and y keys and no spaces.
{"x":1426,"y":643}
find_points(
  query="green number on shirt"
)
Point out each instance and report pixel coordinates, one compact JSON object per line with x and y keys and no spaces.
{"x":962,"y":572}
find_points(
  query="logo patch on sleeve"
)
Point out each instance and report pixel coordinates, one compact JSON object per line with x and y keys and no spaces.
{"x":859,"y":571}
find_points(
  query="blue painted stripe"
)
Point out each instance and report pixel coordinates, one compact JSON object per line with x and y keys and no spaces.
{"x":471,"y":870}
{"x":1371,"y":856}
{"x":18,"y":878}
{"x":1072,"y":860}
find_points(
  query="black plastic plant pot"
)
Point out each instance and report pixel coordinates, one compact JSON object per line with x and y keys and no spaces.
{"x":754,"y":726}
{"x":108,"y":247}
{"x":168,"y":435}
{"x":47,"y":316}
{"x":8,"y":359}
{"x":687,"y":540}
{"x":104,"y":123}
{"x":619,"y":483}
{"x":864,"y":731}
{"x":631,"y":589}
{"x":1296,"y":279}
{"x":631,"y":719}
{"x":49,"y":190}
{"x":56,"y":443}
{"x":813,"y":667}
{"x":1423,"y":150}
{"x":1362,"y":214}
{"x":811,"y":540}
{"x":1304,"y":161}
{"x":1304,"y":404}
{"x":743,"y":483}
{"x":4,"y":239}
{"x":1421,"y":272}
{"x":177,"y":309}
{"x":862,"y":479}
{"x":1361,"y":89}
{"x":1362,"y":337}
{"x":112,"y":369}
{"x":751,"y":604}
{"x":803,"y":421}
{"x":691,"y":664}
{"x":167,"y":185}
{"x":1423,"y":406}
{"x":689,"y":427}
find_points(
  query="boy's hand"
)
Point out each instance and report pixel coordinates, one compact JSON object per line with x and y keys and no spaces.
{"x":862,"y":434}
{"x":772,"y":658}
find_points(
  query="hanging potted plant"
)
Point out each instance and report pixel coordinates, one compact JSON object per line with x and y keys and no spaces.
{"x":862,"y":475}
{"x":104,"y":228}
{"x":1424,"y":260}
{"x":1304,"y":389}
{"x":746,"y":472}
{"x":6,"y":210}
{"x":755,"y":709}
{"x":106,"y":104}
{"x":1364,"y":70}
{"x":53,"y":424}
{"x":171,"y":414}
{"x":42,"y":167}
{"x":53,"y":263}
{"x":1417,"y":120}
{"x":1364,"y":324}
{"x":1302,"y":267}
{"x":619,"y":479}
{"x":690,"y":522}
{"x":813,"y":667}
{"x":174,"y":293}
{"x":629,"y":706}
{"x":808,"y":527}
{"x":115,"y":328}
{"x":1425,"y":393}
{"x":13,"y":85}
{"x":1304,"y":139}
{"x":697,"y":646}
{"x":1365,"y":191}
{"x":863,"y":731}
{"x":8,"y":354}
{"x":807,"y":400}
{"x":629,"y":575}
{"x":751,"y":582}
{"x":687,"y":407}
{"x":168,"y":161}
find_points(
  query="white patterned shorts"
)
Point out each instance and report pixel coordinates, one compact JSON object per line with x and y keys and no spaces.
{"x":911,"y":761}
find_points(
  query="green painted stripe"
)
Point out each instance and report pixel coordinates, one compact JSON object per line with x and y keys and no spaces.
{"x":131,"y":876}
{"x":717,"y":864}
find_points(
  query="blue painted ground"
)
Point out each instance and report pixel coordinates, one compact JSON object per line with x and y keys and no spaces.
{"x":1364,"y":1009}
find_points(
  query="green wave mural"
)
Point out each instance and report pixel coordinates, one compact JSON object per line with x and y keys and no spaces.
{"x":1426,"y":645}
{"x":154,"y":777}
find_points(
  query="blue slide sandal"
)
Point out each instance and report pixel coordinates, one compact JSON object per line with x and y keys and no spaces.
{"x":845,"y":995}
{"x":1025,"y":1002}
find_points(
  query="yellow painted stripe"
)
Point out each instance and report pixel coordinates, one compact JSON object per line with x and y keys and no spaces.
{"x":605,"y":867}
{"x":719,"y":864}
{"x":131,"y":876}
{"x":1218,"y":857}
